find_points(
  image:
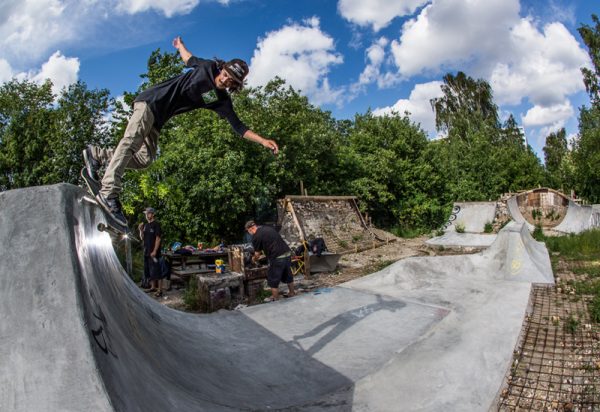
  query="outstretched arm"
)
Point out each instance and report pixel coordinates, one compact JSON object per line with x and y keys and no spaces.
{"x":183,"y":51}
{"x":268,"y":143}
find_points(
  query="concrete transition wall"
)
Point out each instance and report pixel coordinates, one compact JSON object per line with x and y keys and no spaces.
{"x":78,"y":335}
{"x":471,"y":216}
{"x":554,"y":211}
{"x":579,"y":218}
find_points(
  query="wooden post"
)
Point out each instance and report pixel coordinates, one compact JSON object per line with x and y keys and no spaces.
{"x":307,"y":274}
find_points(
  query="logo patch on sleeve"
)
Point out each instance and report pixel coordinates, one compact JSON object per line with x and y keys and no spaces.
{"x":210,"y":96}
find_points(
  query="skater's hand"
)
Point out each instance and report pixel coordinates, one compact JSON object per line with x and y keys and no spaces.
{"x":177,"y":42}
{"x":183,"y":51}
{"x":271,"y":145}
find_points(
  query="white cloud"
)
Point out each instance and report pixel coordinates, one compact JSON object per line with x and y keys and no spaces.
{"x":544,"y":116}
{"x":544,"y":67}
{"x":6,"y":72}
{"x":524,"y":63}
{"x":28,"y":28}
{"x":377,"y":13}
{"x":168,"y":7}
{"x":375,"y":58}
{"x":302,"y":55}
{"x":61,"y":70}
{"x":491,"y":41}
{"x":454,"y":33}
{"x":418,"y":105}
{"x":31,"y":29}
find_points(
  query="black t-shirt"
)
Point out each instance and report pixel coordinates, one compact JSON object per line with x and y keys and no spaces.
{"x":269,"y":241}
{"x":151,"y":231}
{"x":191,"y":90}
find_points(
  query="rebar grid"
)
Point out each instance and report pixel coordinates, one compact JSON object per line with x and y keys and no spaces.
{"x":557,"y":367}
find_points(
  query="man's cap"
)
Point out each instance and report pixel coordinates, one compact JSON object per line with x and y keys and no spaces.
{"x":237,"y":69}
{"x":150,"y":210}
{"x":249,"y":224}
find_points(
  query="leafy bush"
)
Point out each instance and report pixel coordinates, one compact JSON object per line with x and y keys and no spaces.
{"x":538,"y":233}
{"x":459,"y":227}
{"x":594,"y":309}
{"x":488,"y":228}
{"x":190,"y":296}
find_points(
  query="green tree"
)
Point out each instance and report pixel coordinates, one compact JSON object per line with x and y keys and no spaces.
{"x":591,"y":38}
{"x":41,"y":138}
{"x":555,"y":151}
{"x":26,"y":126}
{"x":586,"y":148}
{"x":479,"y":158}
{"x":465,"y":104}
{"x":382,"y":164}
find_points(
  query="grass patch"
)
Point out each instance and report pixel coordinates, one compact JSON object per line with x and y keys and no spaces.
{"x":572,"y":324}
{"x":357,"y":238}
{"x":592,"y":271}
{"x":582,"y":253}
{"x":584,"y":246}
{"x":406,"y":233}
{"x":488,"y":227}
{"x":137,"y":258}
{"x":586,"y":287}
{"x":190,"y":296}
{"x":262,"y":294}
{"x":382,"y":265}
{"x":538,"y":233}
{"x":594,"y":308}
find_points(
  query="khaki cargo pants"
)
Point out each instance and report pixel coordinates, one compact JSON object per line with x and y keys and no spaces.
{"x":136,"y":150}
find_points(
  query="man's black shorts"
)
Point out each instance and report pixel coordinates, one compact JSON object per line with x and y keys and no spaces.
{"x":280,"y":270}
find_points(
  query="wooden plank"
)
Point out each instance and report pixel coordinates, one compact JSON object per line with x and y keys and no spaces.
{"x":319,"y":198}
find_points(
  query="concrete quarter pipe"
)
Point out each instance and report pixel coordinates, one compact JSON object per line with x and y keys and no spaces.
{"x":77,"y":334}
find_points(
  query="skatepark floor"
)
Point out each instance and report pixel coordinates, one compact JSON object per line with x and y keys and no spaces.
{"x":557,"y":365}
{"x":433,"y":333}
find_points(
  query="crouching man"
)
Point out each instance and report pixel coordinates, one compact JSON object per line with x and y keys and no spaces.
{"x":267,"y":240}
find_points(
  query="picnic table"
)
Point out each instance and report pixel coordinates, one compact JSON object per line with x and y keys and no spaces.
{"x":196,"y":263}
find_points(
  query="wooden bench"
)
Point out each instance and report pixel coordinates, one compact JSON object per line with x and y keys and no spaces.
{"x":186,"y":274}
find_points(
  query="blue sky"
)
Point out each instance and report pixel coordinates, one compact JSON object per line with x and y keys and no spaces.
{"x":347,"y":56}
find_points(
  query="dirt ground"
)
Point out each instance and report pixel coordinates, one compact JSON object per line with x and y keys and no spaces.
{"x":556,"y":367}
{"x":350,"y":266}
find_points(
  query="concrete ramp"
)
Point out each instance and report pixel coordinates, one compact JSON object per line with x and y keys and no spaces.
{"x":473,"y":216}
{"x":465,"y":241}
{"x":77,"y":334}
{"x":515,"y":212}
{"x":579,"y":218}
{"x":517,"y":256}
{"x":461,"y":364}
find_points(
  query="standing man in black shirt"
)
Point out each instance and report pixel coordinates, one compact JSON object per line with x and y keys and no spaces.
{"x":267,"y":240}
{"x":151,"y":235}
{"x":206,"y":85}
